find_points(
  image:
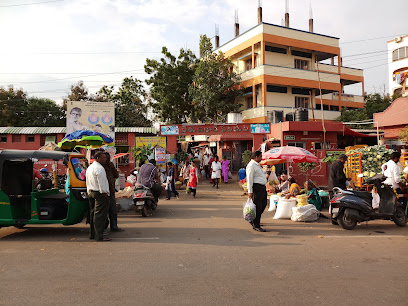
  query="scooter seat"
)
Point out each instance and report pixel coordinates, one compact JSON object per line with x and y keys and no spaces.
{"x":363,"y":194}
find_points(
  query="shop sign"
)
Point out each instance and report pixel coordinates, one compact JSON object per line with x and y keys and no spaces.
{"x":213,"y":144}
{"x":154,"y":141}
{"x":214,"y":129}
{"x":289,"y":137}
{"x":262,"y":128}
{"x":169,"y":130}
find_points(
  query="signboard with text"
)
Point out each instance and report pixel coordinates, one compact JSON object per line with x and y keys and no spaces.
{"x":214,"y":129}
{"x":155,"y":141}
{"x":260,"y":128}
{"x":169,"y":130}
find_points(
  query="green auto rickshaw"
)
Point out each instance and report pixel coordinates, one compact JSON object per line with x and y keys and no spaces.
{"x":23,"y":202}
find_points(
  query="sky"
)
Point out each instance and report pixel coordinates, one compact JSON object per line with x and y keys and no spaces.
{"x":47,"y":46}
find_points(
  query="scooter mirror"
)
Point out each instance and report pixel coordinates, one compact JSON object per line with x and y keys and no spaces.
{"x":360,"y":175}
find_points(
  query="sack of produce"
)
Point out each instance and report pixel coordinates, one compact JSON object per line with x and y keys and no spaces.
{"x":307,"y":213}
{"x":301,"y":199}
{"x":273,"y":202}
{"x":249,"y":210}
{"x":284,"y":209}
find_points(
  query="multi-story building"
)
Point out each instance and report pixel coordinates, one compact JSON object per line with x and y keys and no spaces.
{"x":398,"y":65}
{"x":281,"y":70}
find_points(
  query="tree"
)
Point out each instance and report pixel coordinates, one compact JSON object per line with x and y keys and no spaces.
{"x":215,"y":86}
{"x":13,"y":103}
{"x":130,"y":106}
{"x":374,"y":103}
{"x":170,"y":79}
{"x":44,"y":112}
{"x":78,"y":93}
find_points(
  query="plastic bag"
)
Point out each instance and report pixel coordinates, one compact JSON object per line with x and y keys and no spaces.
{"x":229,"y":175}
{"x":284,"y":209}
{"x":307,"y":213}
{"x":249,"y":211}
{"x":273,"y":178}
{"x":376,"y":199}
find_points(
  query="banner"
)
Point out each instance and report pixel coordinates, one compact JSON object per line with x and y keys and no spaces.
{"x":155,"y":141}
{"x":92,"y":116}
{"x":260,"y":128}
{"x":160,"y":155}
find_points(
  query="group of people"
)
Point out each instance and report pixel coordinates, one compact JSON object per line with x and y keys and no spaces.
{"x":100,"y":185}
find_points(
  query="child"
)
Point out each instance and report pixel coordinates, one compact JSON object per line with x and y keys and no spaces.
{"x":313,"y":195}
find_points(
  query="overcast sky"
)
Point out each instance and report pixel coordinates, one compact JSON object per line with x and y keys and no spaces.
{"x":49,"y":45}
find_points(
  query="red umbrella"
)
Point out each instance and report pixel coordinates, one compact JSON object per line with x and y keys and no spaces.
{"x":294,"y":154}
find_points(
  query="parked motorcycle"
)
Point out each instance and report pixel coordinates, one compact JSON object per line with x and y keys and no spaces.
{"x":350,"y":207}
{"x":144,"y":200}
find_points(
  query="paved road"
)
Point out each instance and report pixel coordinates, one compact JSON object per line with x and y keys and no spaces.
{"x":200,"y":251}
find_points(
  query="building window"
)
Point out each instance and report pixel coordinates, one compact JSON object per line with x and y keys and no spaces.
{"x":248,"y":64}
{"x":16,"y":138}
{"x":301,"y":64}
{"x":124,"y":160}
{"x":399,"y":53}
{"x":301,"y":54}
{"x":325,"y":107}
{"x":318,"y":106}
{"x":280,"y":89}
{"x":297,"y":144}
{"x":275,"y":49}
{"x":3,"y":138}
{"x":30,"y":138}
{"x":334,"y":108}
{"x":121,"y":138}
{"x":249,"y":102}
{"x":301,"y":102}
{"x":300,"y":91}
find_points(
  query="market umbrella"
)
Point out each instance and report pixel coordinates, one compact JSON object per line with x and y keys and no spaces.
{"x":87,"y":139}
{"x":272,"y":162}
{"x":288,"y":153}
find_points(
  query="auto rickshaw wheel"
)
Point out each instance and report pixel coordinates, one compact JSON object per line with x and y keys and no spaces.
{"x":345,"y":221}
{"x":400,"y":218}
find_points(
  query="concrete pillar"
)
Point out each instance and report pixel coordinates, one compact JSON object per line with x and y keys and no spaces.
{"x":311,"y":25}
{"x":253,"y":96}
{"x":253,"y":56}
{"x":287,"y":20}
{"x":260,"y":15}
{"x":257,"y":141}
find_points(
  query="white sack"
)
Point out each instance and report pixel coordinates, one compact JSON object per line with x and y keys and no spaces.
{"x":284,"y":209}
{"x":307,"y":213}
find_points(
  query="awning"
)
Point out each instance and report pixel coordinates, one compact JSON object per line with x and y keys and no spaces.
{"x":349,"y":132}
{"x":234,"y":137}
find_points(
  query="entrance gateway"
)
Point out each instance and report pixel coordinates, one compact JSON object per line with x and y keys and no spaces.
{"x":258,"y":132}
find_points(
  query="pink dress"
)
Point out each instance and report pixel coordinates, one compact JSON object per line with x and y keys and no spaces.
{"x":225,"y":169}
{"x":192,"y":182}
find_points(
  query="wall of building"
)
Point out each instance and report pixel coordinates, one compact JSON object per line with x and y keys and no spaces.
{"x":396,"y":65}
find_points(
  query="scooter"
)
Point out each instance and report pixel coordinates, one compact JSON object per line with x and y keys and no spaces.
{"x":144,"y":200}
{"x":348,"y":207}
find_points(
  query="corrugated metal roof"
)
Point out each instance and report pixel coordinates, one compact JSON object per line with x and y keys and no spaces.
{"x":62,"y":130}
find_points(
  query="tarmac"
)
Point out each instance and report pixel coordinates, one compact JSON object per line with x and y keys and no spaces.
{"x":200,"y":251}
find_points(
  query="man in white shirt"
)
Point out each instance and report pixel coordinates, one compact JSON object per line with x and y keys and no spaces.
{"x":206,"y":159}
{"x":97,"y":186}
{"x":256,"y":182}
{"x":392,"y":172}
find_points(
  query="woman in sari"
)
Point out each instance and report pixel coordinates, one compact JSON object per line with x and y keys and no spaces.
{"x":225,"y":169}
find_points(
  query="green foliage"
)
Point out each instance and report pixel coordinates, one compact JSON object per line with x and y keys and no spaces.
{"x":374,"y":103}
{"x":141,"y":154}
{"x":182,"y":156}
{"x":170,"y":78}
{"x":215,"y":86}
{"x":19,"y":110}
{"x":330,"y":159}
{"x":246,"y":157}
{"x":305,"y":167}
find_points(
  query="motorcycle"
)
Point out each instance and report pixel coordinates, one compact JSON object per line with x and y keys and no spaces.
{"x":348,"y":207}
{"x":144,"y":200}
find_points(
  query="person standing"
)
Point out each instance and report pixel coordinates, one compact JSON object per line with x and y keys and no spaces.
{"x":185,"y":171}
{"x":216,"y":171}
{"x":392,"y":172}
{"x":206,"y":159}
{"x":210,"y":166}
{"x":256,"y":184}
{"x":193,"y":179}
{"x":337,"y":178}
{"x":112,"y":174}
{"x":172,"y":189}
{"x":225,"y":169}
{"x":97,"y":186}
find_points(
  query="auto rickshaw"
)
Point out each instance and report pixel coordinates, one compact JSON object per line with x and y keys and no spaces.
{"x":22,"y":202}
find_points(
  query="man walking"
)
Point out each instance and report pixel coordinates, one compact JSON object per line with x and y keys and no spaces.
{"x":112,"y":174}
{"x":171,"y":174}
{"x":149,"y":177}
{"x":97,"y":186}
{"x":337,"y":178}
{"x":256,"y":182}
{"x":206,"y":159}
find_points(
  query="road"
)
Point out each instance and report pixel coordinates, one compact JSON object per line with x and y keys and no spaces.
{"x":201,"y":251}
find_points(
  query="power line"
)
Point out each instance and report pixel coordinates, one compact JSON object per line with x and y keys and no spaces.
{"x":33,"y":3}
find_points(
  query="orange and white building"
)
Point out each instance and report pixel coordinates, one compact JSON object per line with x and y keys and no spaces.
{"x":278,"y":70}
{"x":398,"y":65}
